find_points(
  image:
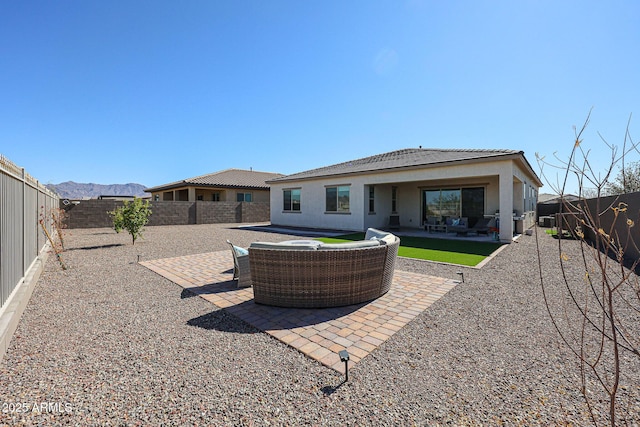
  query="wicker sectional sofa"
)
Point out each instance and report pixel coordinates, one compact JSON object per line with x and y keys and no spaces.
{"x":328,"y":275}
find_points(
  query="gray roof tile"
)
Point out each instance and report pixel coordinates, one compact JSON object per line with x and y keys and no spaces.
{"x":229,"y":178}
{"x":408,"y":157}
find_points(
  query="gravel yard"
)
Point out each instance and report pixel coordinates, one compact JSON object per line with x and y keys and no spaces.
{"x":108,"y":342}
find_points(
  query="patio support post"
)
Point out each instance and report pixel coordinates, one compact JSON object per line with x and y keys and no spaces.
{"x":506,"y":204}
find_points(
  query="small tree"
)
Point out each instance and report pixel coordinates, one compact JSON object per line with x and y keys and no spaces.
{"x":54,"y":218}
{"x":627,"y":180}
{"x":594,"y":301}
{"x":58,"y":219}
{"x":132,"y":216}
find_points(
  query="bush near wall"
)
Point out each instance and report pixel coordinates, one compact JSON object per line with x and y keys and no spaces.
{"x":93,"y":213}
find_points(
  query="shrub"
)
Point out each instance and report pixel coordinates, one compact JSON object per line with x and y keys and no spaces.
{"x":132,"y":216}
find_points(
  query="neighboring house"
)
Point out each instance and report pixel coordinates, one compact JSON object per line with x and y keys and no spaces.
{"x":543,"y":197}
{"x":550,"y":199}
{"x":413,"y":184}
{"x":551,"y":204}
{"x":230,"y":185}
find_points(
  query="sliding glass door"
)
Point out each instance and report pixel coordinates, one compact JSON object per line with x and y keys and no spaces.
{"x":454,"y":202}
{"x":442,"y":203}
{"x":473,"y":204}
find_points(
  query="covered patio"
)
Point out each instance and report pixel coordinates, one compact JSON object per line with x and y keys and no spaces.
{"x":406,"y":188}
{"x":432,"y":205}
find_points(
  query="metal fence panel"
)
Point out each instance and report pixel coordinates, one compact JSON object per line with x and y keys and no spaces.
{"x":22,"y":200}
{"x":11,"y":241}
{"x":30,"y":225}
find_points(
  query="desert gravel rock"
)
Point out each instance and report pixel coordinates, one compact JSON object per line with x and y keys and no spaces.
{"x":108,"y":342}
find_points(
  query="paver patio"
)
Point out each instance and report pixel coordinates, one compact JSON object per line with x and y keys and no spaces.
{"x":318,"y":333}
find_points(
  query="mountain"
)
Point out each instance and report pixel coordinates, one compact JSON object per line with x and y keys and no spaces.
{"x":75,"y":190}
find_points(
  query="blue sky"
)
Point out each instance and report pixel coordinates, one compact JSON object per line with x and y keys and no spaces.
{"x":157,"y":91}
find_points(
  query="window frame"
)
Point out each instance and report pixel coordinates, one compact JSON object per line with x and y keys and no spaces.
{"x":291,"y":207}
{"x":372,"y":199}
{"x":244,"y":197}
{"x":394,"y":199}
{"x":339,"y":207}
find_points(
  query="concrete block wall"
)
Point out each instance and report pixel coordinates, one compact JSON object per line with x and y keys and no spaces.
{"x":90,"y":213}
{"x":256,"y":212}
{"x":94,"y":213}
{"x":629,"y":209}
{"x":601,"y":211}
{"x":172,"y":213}
{"x":218,"y":212}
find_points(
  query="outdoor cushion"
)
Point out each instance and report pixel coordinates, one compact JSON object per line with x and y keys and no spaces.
{"x":240,"y":251}
{"x":350,"y":245}
{"x":388,"y":239}
{"x":282,"y":246}
{"x":373,"y":233}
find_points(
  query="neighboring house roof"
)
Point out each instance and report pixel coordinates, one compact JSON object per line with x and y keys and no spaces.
{"x":405,"y":158}
{"x":229,"y":178}
{"x":543,"y":197}
{"x":557,"y":199}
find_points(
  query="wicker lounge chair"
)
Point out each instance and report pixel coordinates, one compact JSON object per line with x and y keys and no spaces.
{"x":241,"y":268}
{"x":330,"y":275}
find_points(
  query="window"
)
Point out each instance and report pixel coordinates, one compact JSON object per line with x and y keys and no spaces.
{"x":200,"y":197}
{"x":337,"y":199}
{"x":394,"y":199}
{"x":466,"y":202}
{"x":243,"y":197}
{"x":291,"y":199}
{"x":372,"y":204}
{"x":442,"y":203}
{"x":215,"y":197}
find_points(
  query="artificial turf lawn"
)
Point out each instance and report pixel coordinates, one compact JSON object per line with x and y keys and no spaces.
{"x":462,"y":252}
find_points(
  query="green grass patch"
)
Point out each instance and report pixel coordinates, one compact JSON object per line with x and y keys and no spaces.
{"x":554,"y":232}
{"x":461,"y":252}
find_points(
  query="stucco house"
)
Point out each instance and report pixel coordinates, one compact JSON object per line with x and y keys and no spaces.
{"x":411,"y":184}
{"x":229,"y":185}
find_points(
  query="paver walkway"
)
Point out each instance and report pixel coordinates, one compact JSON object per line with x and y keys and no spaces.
{"x":318,"y":333}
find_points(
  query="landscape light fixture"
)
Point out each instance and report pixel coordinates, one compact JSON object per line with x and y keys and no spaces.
{"x":461,"y":274}
{"x":344,"y":357}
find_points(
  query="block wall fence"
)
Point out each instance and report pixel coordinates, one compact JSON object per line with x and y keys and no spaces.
{"x":94,"y":213}
{"x":629,"y":236}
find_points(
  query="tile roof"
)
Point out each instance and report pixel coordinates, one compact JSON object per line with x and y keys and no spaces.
{"x":408,"y":157}
{"x":229,"y":178}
